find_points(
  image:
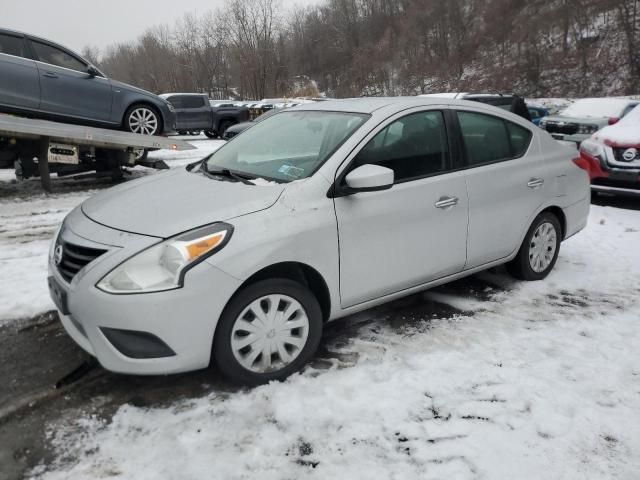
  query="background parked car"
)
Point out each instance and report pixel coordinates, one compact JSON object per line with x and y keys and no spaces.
{"x":196,"y":113}
{"x":612,"y":157}
{"x":41,"y":79}
{"x":241,"y":127}
{"x":537,"y":113}
{"x":584,"y":117}
{"x":509,"y":102}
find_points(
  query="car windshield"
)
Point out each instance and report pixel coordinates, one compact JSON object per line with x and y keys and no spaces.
{"x":285,"y":147}
{"x":267,"y":114}
{"x":595,"y":107}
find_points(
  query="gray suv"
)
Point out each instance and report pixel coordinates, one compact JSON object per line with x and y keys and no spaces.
{"x":42,"y":79}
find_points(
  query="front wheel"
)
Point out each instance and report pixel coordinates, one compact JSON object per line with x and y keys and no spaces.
{"x":539,"y":250}
{"x":211,"y":134}
{"x":142,"y":119}
{"x":268,"y":331}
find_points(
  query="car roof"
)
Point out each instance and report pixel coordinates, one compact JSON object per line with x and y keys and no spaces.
{"x":369,"y":105}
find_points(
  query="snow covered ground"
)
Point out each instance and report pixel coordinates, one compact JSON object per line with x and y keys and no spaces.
{"x":27,"y":224}
{"x":542,"y":380}
{"x":527,"y":381}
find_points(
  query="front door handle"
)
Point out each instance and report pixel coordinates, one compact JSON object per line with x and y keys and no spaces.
{"x":446,"y":202}
{"x":535,"y":183}
{"x":50,"y":75}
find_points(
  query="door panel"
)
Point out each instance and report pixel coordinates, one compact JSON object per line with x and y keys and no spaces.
{"x":193,"y":112}
{"x":396,"y":239}
{"x":71,"y":91}
{"x":503,"y":196}
{"x":19,"y":83}
{"x":415,"y":232}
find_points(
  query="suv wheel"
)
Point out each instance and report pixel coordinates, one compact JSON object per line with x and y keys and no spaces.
{"x":539,"y":251}
{"x":268,"y":331}
{"x":142,"y":119}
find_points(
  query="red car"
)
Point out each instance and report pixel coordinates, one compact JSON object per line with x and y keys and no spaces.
{"x":612,"y":157}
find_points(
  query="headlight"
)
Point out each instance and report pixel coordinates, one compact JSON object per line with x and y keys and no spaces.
{"x":163,"y":266}
{"x":543,"y":123}
{"x":587,"y":129}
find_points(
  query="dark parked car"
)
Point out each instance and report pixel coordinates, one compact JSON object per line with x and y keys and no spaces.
{"x":196,"y":113}
{"x":238,"y":128}
{"x":41,"y":79}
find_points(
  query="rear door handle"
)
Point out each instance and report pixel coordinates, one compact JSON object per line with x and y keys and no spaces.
{"x":446,"y":202}
{"x":535,"y":183}
{"x":50,"y":75}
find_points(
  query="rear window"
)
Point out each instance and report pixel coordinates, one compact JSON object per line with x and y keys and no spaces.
{"x":186,"y":101}
{"x":489,"y":139}
{"x":12,"y":45}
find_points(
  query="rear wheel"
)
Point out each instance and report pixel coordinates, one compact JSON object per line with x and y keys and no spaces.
{"x":268,"y":331}
{"x":142,"y":119}
{"x":539,"y":250}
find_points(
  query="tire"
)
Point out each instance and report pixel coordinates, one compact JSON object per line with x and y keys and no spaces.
{"x":223,"y":127}
{"x":211,"y":133}
{"x":143,"y":119}
{"x":141,"y":154}
{"x":227,"y":342}
{"x":535,"y":264}
{"x":194,"y":132}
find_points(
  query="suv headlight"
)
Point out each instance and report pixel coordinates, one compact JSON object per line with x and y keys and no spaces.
{"x":164,"y":265}
{"x":587,"y":129}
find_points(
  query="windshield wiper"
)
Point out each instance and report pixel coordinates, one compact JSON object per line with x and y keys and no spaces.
{"x":225,"y":172}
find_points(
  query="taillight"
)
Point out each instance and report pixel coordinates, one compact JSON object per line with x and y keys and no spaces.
{"x":592,"y":156}
{"x":613,"y":120}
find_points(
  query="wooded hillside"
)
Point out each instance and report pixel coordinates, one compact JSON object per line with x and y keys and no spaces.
{"x":255,"y":49}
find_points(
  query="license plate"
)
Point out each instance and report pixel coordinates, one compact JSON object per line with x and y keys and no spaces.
{"x":58,"y":295}
{"x":61,"y":153}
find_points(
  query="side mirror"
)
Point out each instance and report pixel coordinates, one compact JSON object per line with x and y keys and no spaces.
{"x":369,"y":178}
{"x":93,"y":71}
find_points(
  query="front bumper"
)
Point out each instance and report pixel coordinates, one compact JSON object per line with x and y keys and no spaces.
{"x":183,"y":319}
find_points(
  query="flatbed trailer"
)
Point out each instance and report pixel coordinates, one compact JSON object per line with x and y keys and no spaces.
{"x":43,"y":147}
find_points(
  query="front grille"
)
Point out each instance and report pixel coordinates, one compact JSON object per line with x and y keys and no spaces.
{"x":73,"y":258}
{"x":618,"y":153}
{"x":561,"y":127}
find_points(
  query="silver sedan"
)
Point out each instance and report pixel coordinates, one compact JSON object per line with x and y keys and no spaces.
{"x":317,"y":212}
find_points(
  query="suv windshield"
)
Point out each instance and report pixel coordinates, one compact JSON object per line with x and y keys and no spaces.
{"x":286,"y":147}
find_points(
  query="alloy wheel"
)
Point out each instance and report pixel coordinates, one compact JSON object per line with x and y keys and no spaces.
{"x":143,"y":120}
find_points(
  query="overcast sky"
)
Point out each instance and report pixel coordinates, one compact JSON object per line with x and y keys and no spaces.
{"x":77,"y":23}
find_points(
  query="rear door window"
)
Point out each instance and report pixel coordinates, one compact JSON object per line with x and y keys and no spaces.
{"x":413,"y":146}
{"x":12,"y":45}
{"x":192,"y":101}
{"x":58,"y":57}
{"x":489,"y":139}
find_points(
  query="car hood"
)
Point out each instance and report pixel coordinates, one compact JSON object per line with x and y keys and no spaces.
{"x":126,"y":86}
{"x":581,"y":120}
{"x":169,"y":203}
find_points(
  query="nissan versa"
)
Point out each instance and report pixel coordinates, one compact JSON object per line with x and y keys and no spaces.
{"x":317,"y":212}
